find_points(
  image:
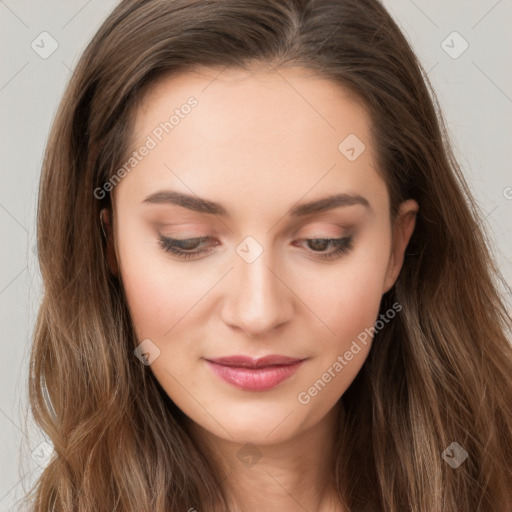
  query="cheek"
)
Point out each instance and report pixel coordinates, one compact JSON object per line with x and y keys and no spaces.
{"x":158,"y":296}
{"x":348,"y":299}
{"x":349,"y":310}
{"x":348,"y":304}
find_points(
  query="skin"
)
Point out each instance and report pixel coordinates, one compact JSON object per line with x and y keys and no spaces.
{"x":258,"y":142}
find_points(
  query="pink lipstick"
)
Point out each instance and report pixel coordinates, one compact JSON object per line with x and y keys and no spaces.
{"x":255,"y":374}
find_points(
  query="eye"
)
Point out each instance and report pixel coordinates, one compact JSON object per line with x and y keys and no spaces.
{"x":184,"y":249}
{"x":340,"y":246}
{"x":191,"y":247}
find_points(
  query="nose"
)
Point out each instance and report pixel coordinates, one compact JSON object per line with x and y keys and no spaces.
{"x":257,"y":299}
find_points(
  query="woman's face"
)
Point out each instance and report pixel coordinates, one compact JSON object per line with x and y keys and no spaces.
{"x":247,"y":166}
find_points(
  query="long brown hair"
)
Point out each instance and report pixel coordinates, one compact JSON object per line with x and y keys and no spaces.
{"x":439,"y":373}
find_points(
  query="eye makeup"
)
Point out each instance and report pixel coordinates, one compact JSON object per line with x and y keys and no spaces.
{"x":193,"y":248}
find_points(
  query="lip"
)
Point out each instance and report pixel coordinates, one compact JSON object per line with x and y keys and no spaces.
{"x":255,"y":374}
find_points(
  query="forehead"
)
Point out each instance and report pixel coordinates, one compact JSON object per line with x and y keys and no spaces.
{"x":281,"y":101}
{"x":253,"y":132}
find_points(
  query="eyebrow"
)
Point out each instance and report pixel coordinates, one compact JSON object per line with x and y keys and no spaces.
{"x":200,"y":205}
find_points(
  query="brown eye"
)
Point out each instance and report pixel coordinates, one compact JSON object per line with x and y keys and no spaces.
{"x":319,"y":245}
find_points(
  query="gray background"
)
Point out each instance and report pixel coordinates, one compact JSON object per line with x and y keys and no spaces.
{"x":475,"y":91}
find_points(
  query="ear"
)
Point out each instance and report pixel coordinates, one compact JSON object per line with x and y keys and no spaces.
{"x":107,"y":227}
{"x":403,"y":229}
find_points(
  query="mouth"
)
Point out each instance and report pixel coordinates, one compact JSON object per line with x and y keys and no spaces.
{"x":250,"y":374}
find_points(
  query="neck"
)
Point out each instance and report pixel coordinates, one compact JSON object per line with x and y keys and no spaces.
{"x":292,"y":475}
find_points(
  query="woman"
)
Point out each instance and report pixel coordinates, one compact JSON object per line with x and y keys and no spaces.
{"x":266,"y":287}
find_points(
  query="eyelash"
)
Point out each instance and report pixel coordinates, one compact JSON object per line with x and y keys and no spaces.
{"x":171,"y":245}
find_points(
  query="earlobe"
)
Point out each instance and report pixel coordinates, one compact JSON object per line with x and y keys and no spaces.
{"x":107,"y":228}
{"x":402,"y":231}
